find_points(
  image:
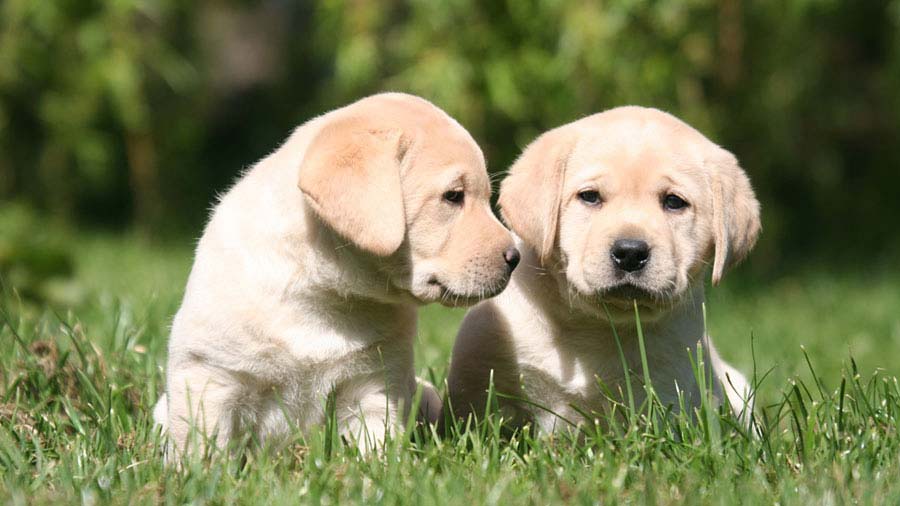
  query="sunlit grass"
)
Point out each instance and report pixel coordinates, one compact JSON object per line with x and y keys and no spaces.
{"x":78,"y":381}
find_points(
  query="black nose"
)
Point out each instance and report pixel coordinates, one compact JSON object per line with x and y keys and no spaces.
{"x":630,"y":254}
{"x":512,"y":258}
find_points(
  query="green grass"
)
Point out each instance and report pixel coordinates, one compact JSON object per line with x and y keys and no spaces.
{"x":79,"y":375}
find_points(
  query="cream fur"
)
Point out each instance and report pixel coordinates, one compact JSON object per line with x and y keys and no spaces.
{"x":548,"y":337}
{"x":309,"y":273}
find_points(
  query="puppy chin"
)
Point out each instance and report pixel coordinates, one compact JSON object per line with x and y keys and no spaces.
{"x":435,"y":288}
{"x":624,"y":310}
{"x":618,"y":301}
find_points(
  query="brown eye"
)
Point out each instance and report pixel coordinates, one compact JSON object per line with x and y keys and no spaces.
{"x":673,"y":202}
{"x":454,"y":196}
{"x":589,"y":197}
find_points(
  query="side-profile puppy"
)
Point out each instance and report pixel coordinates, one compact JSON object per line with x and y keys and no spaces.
{"x":625,"y":206}
{"x":307,"y":278}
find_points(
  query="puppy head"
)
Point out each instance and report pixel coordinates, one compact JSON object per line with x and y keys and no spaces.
{"x":404,"y":182}
{"x":631,"y":205}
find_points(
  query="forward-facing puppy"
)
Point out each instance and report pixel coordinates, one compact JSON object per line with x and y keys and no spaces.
{"x":627,"y":205}
{"x":308,"y":275}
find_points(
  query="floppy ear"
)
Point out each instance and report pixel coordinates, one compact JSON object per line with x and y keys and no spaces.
{"x":530,"y":194}
{"x":351,"y":177}
{"x":736,"y":224}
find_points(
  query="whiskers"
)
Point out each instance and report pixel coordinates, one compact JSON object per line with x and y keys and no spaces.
{"x":496,"y":177}
{"x":472,"y":294}
{"x":658,"y":300}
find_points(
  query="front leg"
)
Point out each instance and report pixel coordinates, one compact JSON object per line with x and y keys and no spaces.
{"x":368,"y":412}
{"x":200,"y":403}
{"x":430,"y":403}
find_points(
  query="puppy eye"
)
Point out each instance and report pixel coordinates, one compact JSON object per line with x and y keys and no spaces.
{"x":589,"y":197}
{"x":673,"y":202}
{"x":454,"y":196}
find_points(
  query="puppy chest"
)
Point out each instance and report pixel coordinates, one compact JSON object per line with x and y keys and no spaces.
{"x":574,"y":371}
{"x":569,"y":385}
{"x":299,"y":400}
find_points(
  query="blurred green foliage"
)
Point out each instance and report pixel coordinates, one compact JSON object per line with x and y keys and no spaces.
{"x":135,"y":112}
{"x":35,"y":258}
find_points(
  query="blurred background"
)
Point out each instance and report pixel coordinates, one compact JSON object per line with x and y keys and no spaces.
{"x":122,"y":119}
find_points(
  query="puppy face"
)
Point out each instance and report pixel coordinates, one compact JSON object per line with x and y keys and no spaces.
{"x":634,"y":222}
{"x":460,"y":253}
{"x":643,"y":203}
{"x":403,"y":181}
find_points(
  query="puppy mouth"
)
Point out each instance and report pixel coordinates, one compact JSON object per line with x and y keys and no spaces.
{"x":451,"y":298}
{"x":623,"y":296}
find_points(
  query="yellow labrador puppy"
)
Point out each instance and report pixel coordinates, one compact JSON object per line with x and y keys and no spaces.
{"x":627,"y":205}
{"x":307,"y":278}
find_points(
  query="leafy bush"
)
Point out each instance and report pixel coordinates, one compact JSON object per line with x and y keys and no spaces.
{"x":34,"y":261}
{"x":123,"y":112}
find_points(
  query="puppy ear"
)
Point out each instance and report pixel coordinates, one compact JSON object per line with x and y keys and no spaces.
{"x":736,"y":224}
{"x":530,"y":195}
{"x":351,"y":177}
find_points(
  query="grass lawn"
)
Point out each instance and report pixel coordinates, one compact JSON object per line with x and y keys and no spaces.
{"x":79,"y":377}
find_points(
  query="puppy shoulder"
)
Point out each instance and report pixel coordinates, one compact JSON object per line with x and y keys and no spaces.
{"x":483,"y":350}
{"x":484,"y":343}
{"x":483,"y":327}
